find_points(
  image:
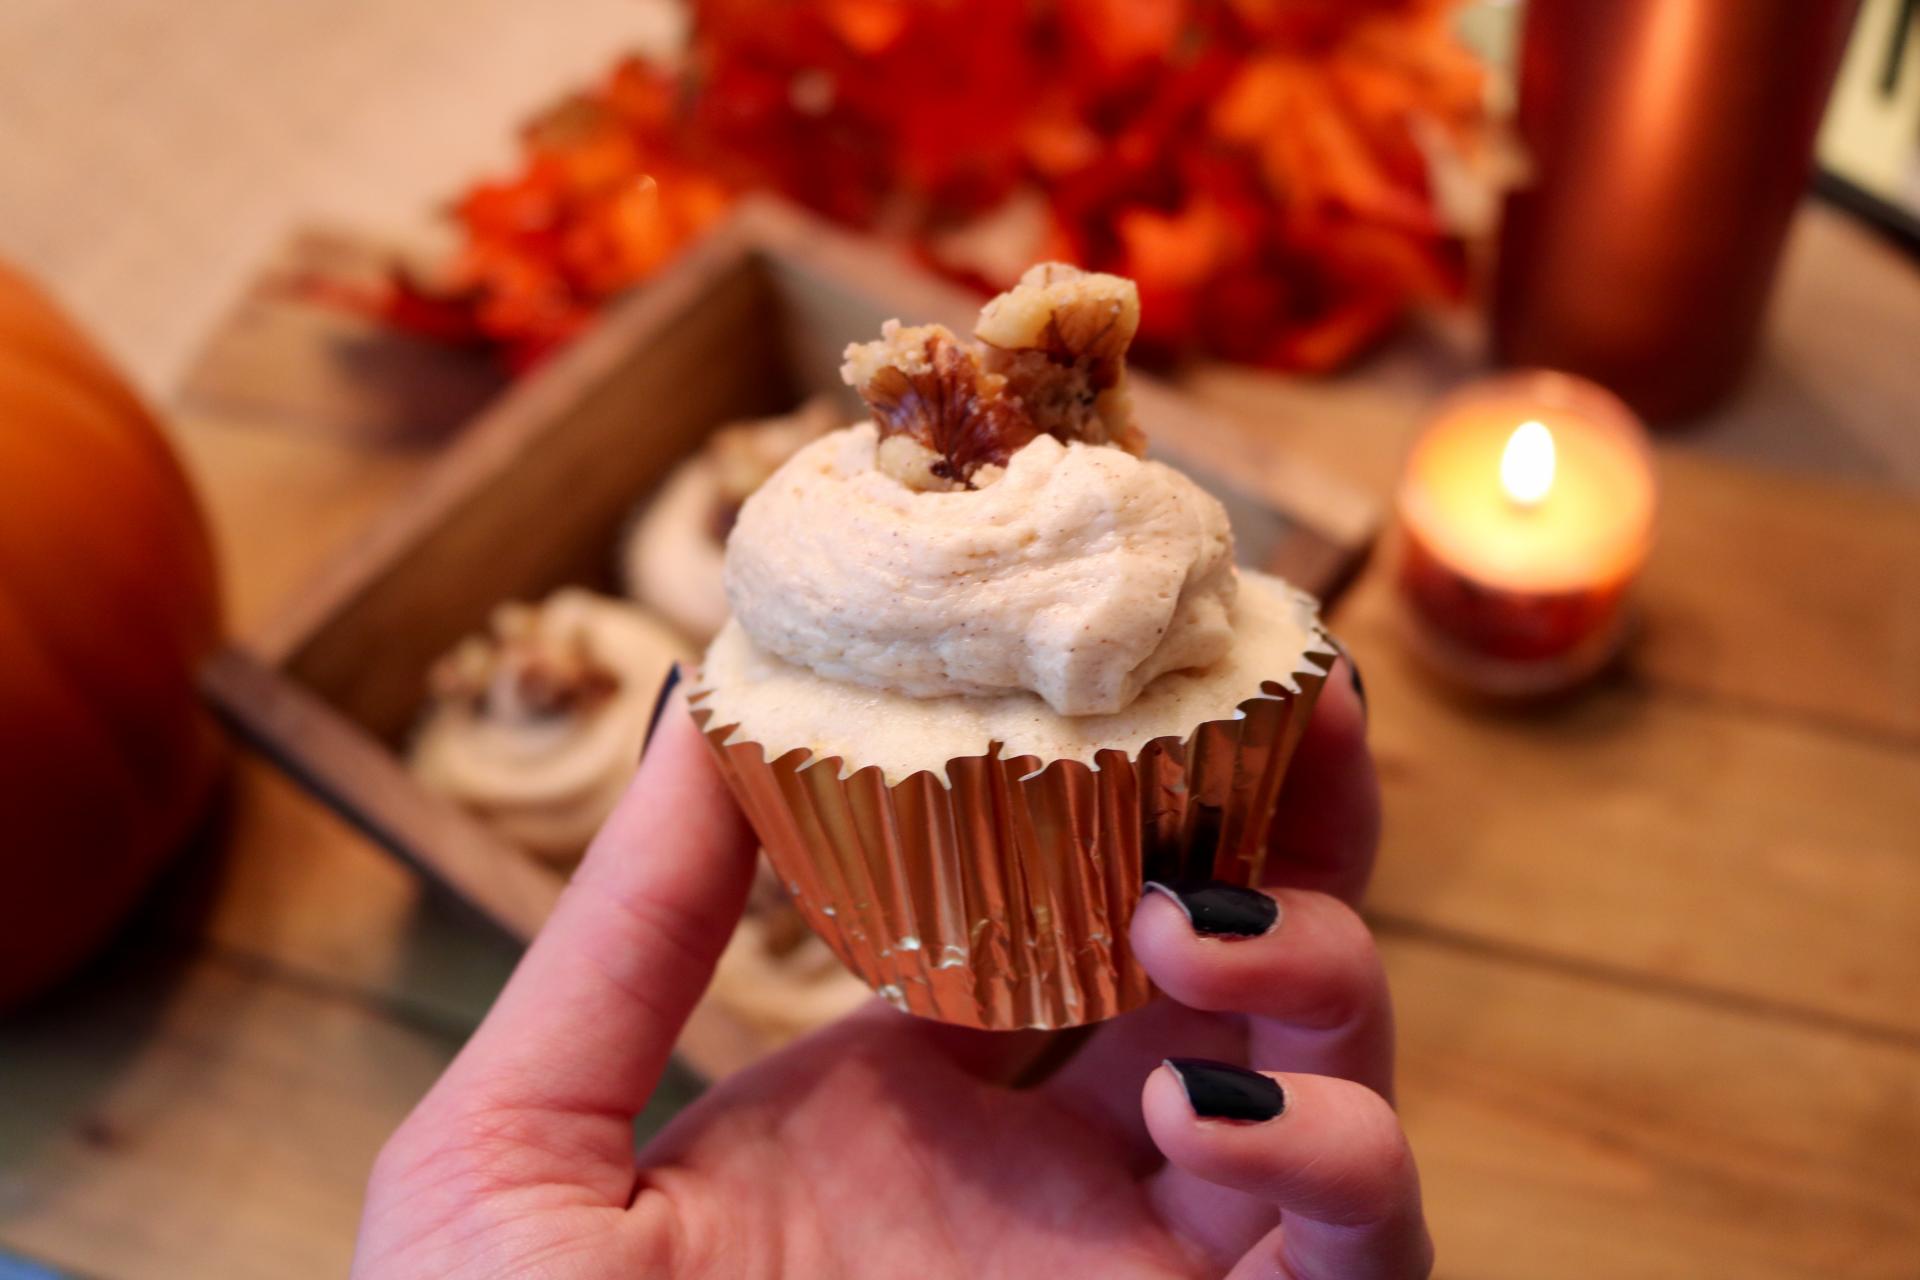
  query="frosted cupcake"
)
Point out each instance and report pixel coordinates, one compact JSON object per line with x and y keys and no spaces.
{"x":989,"y":669}
{"x":535,"y":726}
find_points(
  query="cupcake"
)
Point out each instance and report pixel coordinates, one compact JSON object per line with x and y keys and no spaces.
{"x":671,"y":559}
{"x":535,"y":726}
{"x":989,"y":669}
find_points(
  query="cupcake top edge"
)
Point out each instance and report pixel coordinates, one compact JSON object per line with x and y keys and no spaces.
{"x":747,"y":699}
{"x":994,"y":528}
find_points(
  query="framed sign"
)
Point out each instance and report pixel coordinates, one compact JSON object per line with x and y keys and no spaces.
{"x":1869,"y":149}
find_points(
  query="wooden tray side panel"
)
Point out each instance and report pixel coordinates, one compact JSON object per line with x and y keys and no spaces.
{"x":536,"y":494}
{"x":363,"y":782}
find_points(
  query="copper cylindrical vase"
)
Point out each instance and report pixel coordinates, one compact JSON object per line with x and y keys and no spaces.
{"x":1670,"y":141}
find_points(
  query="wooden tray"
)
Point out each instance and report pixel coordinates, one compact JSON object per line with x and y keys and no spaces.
{"x":534,"y":493}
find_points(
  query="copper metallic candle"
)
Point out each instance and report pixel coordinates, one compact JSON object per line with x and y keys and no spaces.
{"x":1525,"y":513}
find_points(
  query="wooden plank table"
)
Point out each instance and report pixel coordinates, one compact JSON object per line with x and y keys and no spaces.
{"x":1656,"y":953}
{"x":1654,"y":950}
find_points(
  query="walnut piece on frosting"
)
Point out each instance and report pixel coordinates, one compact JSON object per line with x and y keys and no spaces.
{"x":928,"y":391}
{"x":528,"y":669}
{"x":1050,"y":360}
{"x":1060,"y":339}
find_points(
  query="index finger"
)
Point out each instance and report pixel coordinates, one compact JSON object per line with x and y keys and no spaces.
{"x":589,"y":1018}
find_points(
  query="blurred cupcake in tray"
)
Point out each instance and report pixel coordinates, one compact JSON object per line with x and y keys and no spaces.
{"x":536,"y":725}
{"x":672,"y":559}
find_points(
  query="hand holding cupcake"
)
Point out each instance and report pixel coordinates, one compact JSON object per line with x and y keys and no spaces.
{"x":989,"y":669}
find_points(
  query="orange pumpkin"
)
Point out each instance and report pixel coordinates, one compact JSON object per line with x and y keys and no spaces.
{"x":108,"y":602}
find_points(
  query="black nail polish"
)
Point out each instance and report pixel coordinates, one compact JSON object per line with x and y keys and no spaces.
{"x":660,"y":704}
{"x":1222,"y":1091}
{"x":1220,"y":910}
{"x":1353,"y":674}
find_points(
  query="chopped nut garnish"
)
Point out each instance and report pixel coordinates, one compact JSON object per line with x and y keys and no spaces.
{"x":524,"y":671}
{"x":1060,"y":338}
{"x":914,"y":465}
{"x":1051,"y":360}
{"x":926,"y":387}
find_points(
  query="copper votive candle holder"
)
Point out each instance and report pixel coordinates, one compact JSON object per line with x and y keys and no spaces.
{"x":1525,"y":515}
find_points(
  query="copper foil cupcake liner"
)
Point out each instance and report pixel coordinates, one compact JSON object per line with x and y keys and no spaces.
{"x":999,"y":897}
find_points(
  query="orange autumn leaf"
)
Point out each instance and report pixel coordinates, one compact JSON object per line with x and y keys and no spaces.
{"x":868,"y":25}
{"x":1121,"y":34}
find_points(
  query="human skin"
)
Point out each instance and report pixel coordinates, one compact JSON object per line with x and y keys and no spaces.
{"x":885,"y":1145}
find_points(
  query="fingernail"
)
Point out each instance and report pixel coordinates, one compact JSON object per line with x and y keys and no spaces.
{"x":1217,"y":909}
{"x":660,"y":704}
{"x":1222,"y":1091}
{"x":1353,"y":675}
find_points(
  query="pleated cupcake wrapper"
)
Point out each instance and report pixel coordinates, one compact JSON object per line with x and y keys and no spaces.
{"x":999,"y":897}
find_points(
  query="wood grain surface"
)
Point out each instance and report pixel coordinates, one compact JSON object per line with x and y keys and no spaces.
{"x":1653,"y":950}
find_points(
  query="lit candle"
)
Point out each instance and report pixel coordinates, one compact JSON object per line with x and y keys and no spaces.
{"x":1526,"y":512}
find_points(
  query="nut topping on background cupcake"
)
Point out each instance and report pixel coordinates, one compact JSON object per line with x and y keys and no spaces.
{"x":524,"y":672}
{"x":536,"y":725}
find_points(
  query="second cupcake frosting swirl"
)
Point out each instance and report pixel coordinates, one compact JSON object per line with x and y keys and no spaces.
{"x":1080,"y":574}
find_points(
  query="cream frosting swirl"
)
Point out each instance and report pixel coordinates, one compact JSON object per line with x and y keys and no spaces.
{"x":1080,"y":573}
{"x":539,"y":721}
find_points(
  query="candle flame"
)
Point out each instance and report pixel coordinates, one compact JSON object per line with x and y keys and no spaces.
{"x":1526,"y":468}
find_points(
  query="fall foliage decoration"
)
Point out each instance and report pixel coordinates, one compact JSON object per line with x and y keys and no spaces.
{"x":108,"y":603}
{"x":1263,"y":168}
